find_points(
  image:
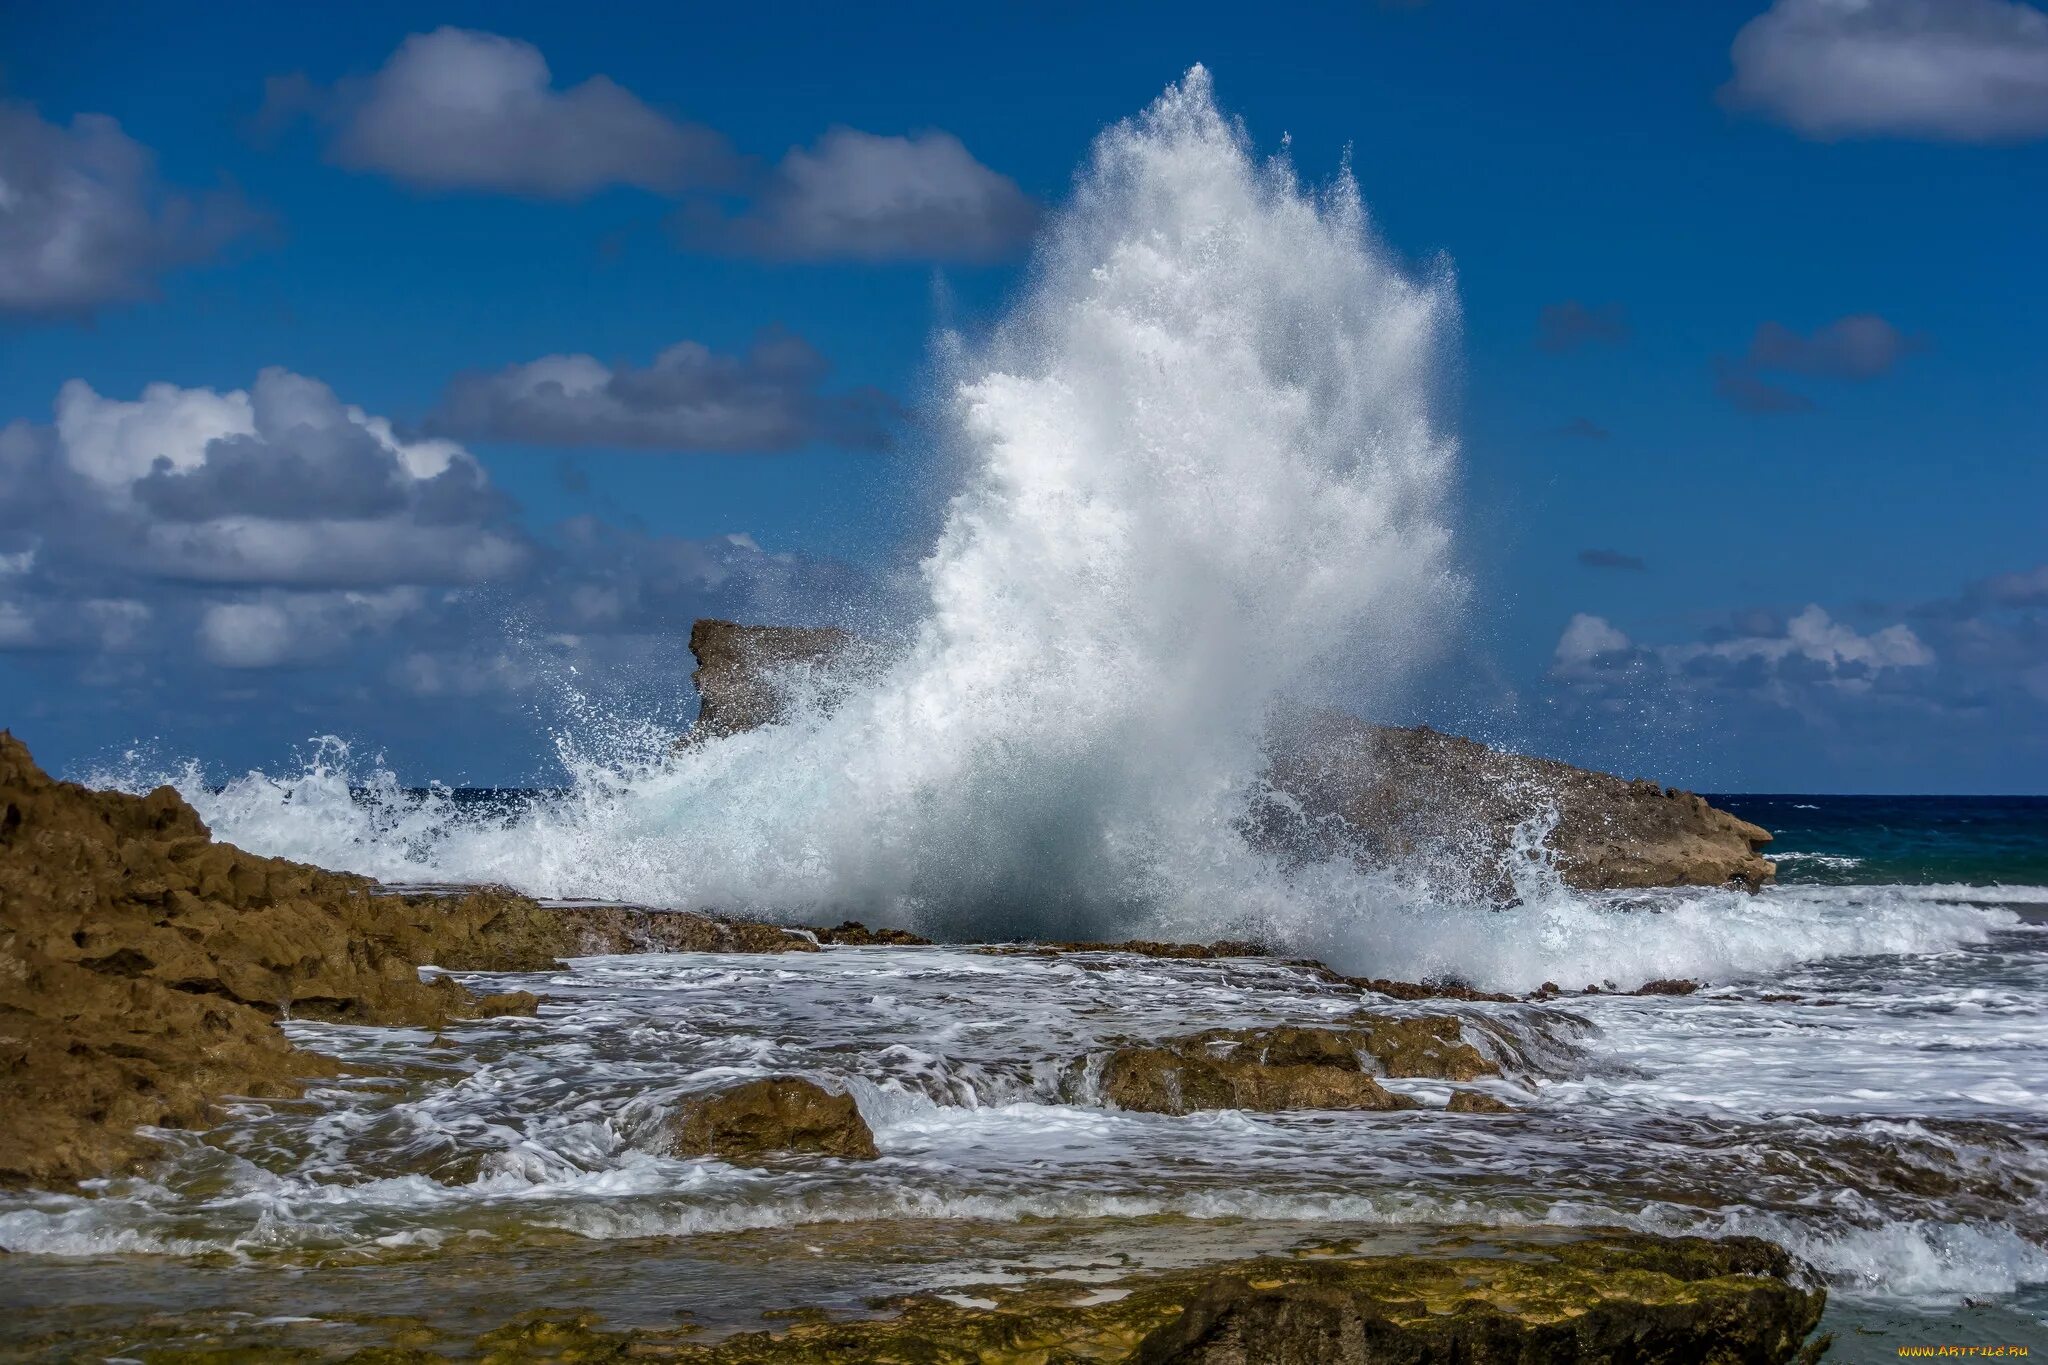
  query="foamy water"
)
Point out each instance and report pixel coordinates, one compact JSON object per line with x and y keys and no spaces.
{"x":1888,"y":1125}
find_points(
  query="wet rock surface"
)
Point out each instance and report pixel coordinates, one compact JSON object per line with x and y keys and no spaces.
{"x":1283,"y":1068}
{"x":737,"y":666}
{"x":1404,"y":793}
{"x":779,"y":1114}
{"x":1602,"y":1298}
{"x":142,"y":967}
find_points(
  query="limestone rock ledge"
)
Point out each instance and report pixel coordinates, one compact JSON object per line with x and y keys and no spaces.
{"x":143,"y":966}
{"x":1388,"y":792}
{"x":1599,"y":1298}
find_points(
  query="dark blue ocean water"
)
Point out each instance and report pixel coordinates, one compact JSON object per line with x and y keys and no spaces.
{"x":1973,"y":840}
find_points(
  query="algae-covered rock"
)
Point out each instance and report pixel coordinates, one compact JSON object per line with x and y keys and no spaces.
{"x":1604,"y":1299}
{"x":1291,"y":1066}
{"x":1478,"y":1102}
{"x":1159,"y":1080}
{"x":778,"y":1114}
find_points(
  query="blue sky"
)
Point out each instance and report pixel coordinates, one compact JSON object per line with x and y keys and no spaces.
{"x":1751,"y":332}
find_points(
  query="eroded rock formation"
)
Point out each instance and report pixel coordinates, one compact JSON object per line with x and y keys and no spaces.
{"x":774,"y":1115}
{"x":1410,"y":792}
{"x":1290,"y":1067}
{"x":1384,"y":792}
{"x":143,"y":965}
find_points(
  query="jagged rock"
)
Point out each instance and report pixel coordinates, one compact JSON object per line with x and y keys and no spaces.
{"x":736,"y":666}
{"x":1478,"y":1102}
{"x":1386,"y":793}
{"x":1668,"y":986}
{"x":778,"y":1114}
{"x":1419,"y":792}
{"x":1271,"y":1069}
{"x":1606,"y":1298}
{"x":596,"y":930}
{"x":854,"y":934}
{"x":142,"y":966}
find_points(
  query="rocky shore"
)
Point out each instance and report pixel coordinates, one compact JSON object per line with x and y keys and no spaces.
{"x":1385,"y":793}
{"x":144,"y":968}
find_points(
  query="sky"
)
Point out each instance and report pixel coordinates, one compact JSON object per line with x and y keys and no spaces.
{"x":416,"y":374}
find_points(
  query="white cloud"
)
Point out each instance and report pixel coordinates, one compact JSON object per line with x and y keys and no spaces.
{"x":84,"y":220}
{"x":458,"y":109}
{"x":1585,"y":639}
{"x":865,"y":197}
{"x":1823,"y":649}
{"x":1951,"y":70}
{"x":295,"y":628}
{"x":279,"y":483}
{"x":770,"y":398}
{"x":1814,"y":636}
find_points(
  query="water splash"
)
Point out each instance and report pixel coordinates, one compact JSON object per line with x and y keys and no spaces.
{"x":1200,"y":476}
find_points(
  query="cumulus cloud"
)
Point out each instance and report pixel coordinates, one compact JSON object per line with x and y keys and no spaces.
{"x":1569,"y":325}
{"x":86,"y":222}
{"x":861,"y":196}
{"x":1948,"y":70}
{"x":1611,"y":559}
{"x":1861,"y":346}
{"x":278,"y":483}
{"x":1757,"y":654}
{"x":458,"y":109}
{"x":690,"y":398}
{"x":279,"y":628}
{"x":1587,"y":640}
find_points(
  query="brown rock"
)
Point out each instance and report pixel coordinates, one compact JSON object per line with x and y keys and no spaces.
{"x":778,"y":1114}
{"x":1160,"y":1080}
{"x":1478,"y":1102}
{"x":854,"y":934}
{"x":1418,"y":792}
{"x":1395,"y":793}
{"x":737,"y":681}
{"x":142,"y":966}
{"x":1289,"y":1067}
{"x":1668,"y":986}
{"x":1602,"y":1298}
{"x":598,"y":930}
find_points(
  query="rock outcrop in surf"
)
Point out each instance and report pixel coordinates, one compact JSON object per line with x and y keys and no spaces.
{"x":143,"y":966}
{"x":1392,"y":793}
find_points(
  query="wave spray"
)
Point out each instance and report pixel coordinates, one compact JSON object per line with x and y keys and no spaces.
{"x":1200,"y":478}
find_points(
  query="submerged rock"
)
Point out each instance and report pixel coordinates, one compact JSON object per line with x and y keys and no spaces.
{"x":774,"y":1115}
{"x":1604,"y":1298}
{"x":1272,"y":1069}
{"x":1478,"y":1102}
{"x":1385,"y":793}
